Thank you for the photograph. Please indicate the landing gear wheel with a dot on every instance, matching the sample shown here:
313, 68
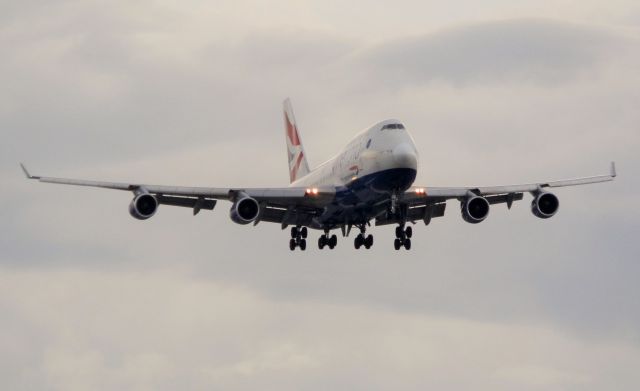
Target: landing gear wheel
303, 244
408, 232
321, 242
303, 232
292, 244
399, 232
358, 241
407, 244
368, 242
294, 232
397, 244
333, 241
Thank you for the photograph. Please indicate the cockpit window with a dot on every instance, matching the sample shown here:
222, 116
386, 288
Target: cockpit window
392, 126
368, 144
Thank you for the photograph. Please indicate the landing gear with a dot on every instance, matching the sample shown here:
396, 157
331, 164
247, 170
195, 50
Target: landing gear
404, 233
358, 242
298, 238
403, 238
297, 232
327, 240
362, 240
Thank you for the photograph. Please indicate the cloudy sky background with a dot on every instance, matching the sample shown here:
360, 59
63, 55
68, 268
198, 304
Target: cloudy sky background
189, 93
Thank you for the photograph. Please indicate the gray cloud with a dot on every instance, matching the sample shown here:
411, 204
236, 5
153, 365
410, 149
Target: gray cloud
173, 331
107, 93
535, 51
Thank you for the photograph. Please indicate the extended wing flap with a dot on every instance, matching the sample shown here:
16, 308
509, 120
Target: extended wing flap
202, 197
188, 202
422, 212
441, 193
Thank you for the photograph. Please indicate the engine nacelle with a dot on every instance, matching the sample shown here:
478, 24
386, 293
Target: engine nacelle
475, 209
544, 205
244, 210
143, 206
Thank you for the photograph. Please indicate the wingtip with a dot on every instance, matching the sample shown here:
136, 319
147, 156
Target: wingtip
26, 172
612, 170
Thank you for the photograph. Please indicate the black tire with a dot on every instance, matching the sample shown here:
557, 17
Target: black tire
333, 241
292, 244
357, 242
321, 242
303, 244
409, 232
303, 232
368, 241
294, 232
397, 244
399, 232
407, 244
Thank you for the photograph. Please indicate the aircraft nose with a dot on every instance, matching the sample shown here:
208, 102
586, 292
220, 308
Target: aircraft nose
404, 156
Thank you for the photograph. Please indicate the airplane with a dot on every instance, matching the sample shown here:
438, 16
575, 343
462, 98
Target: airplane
371, 179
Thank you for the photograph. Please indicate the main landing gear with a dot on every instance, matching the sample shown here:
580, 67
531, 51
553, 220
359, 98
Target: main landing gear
362, 240
298, 238
327, 240
403, 238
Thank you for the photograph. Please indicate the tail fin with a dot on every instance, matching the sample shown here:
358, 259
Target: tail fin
298, 166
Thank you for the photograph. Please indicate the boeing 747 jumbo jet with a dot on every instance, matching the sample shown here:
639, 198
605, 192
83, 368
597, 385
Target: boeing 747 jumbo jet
371, 179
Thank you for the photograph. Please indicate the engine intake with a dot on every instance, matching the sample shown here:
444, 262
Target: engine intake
244, 210
544, 205
143, 206
475, 209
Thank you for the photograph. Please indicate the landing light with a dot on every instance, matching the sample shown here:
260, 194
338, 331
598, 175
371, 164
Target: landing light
312, 191
420, 191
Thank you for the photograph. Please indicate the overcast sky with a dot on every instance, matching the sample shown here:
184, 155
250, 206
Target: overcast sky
190, 92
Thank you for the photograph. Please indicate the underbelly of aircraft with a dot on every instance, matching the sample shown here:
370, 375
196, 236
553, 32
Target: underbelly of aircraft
367, 196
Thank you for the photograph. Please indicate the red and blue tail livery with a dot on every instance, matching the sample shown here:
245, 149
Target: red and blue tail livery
298, 166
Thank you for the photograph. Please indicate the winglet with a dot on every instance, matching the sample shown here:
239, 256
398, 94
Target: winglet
612, 170
26, 172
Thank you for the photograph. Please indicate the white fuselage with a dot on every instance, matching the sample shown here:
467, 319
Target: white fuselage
380, 148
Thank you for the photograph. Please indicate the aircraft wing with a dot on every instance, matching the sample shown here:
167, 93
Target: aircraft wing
277, 204
427, 202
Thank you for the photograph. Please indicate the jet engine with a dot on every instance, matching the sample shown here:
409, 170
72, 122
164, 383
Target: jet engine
475, 209
143, 206
544, 205
244, 210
